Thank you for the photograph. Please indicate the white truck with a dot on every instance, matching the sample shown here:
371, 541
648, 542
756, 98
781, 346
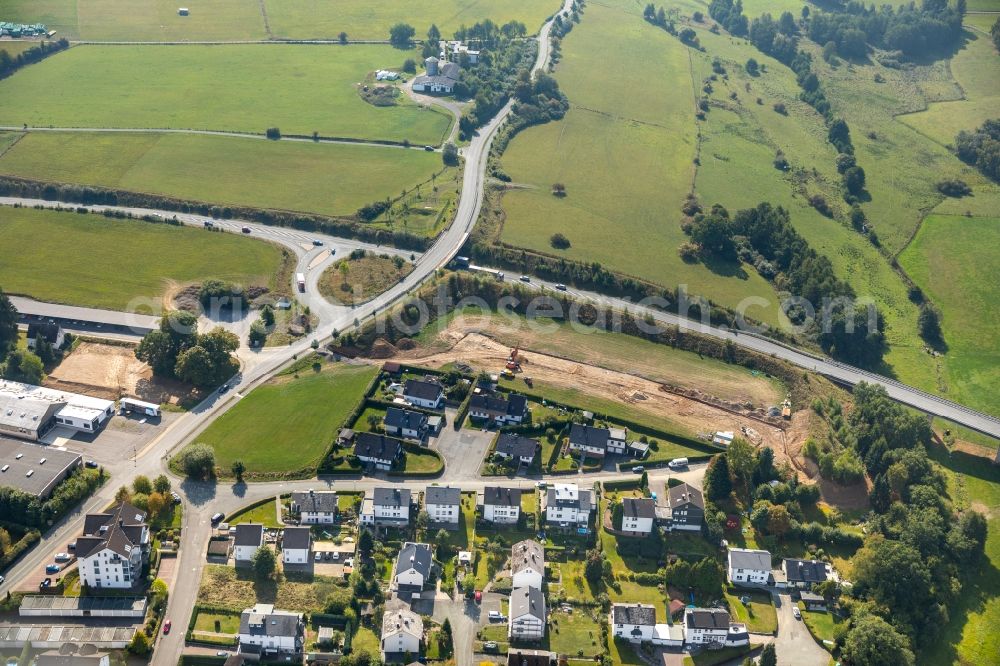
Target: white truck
300, 279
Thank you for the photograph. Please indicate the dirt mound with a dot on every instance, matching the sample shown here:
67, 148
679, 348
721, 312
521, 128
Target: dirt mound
186, 298
382, 349
406, 344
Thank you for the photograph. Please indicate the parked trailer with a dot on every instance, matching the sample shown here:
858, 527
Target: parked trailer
300, 279
138, 406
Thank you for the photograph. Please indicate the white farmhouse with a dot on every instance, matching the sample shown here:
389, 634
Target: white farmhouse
527, 564
501, 505
633, 622
425, 393
249, 537
402, 631
748, 566
386, 506
527, 614
296, 544
113, 548
705, 626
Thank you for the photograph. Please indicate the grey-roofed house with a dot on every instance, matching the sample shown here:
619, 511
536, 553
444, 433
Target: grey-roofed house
517, 447
804, 574
498, 409
270, 632
813, 601
23, 469
527, 614
48, 331
638, 515
405, 423
633, 622
386, 506
296, 544
377, 450
686, 508
26, 417
413, 566
113, 547
527, 564
501, 505
597, 442
73, 655
249, 537
704, 626
426, 393
402, 632
315, 508
749, 566
565, 504
443, 504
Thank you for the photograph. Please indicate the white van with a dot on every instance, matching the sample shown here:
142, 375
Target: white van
677, 463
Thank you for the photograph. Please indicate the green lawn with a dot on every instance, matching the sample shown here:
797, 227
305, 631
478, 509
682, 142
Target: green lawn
421, 462
759, 616
235, 87
365, 639
330, 179
822, 625
266, 514
58, 251
272, 432
229, 623
569, 577
569, 633
623, 653
224, 587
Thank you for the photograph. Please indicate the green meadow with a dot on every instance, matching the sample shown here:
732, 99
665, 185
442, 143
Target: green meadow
300, 89
58, 255
331, 179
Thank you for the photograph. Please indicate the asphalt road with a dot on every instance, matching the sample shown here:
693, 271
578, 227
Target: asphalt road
794, 644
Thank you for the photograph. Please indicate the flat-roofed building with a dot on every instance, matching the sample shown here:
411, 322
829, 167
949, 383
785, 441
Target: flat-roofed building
29, 412
33, 468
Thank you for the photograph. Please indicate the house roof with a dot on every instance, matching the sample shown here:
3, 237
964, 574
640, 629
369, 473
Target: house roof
812, 597
706, 618
568, 495
745, 558
685, 494
527, 554
47, 330
589, 436
249, 534
44, 477
69, 655
529, 657
512, 405
517, 446
414, 556
639, 507
316, 502
498, 496
445, 495
296, 538
634, 614
527, 601
421, 388
119, 530
264, 620
395, 497
379, 447
404, 418
401, 620
804, 571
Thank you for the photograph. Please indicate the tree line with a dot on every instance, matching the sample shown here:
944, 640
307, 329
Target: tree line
33, 512
10, 64
981, 148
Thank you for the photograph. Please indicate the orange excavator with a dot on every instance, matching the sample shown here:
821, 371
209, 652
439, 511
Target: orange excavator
513, 363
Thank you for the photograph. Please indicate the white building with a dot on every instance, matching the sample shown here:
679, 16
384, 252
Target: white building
497, 409
567, 506
50, 332
402, 631
386, 506
29, 412
443, 504
686, 508
527, 614
597, 442
527, 564
421, 392
315, 508
114, 547
296, 544
265, 631
377, 450
638, 514
704, 626
633, 622
749, 566
405, 423
439, 78
249, 537
501, 505
518, 447
413, 566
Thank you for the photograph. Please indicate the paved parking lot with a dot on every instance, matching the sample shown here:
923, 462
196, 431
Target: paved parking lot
120, 438
463, 450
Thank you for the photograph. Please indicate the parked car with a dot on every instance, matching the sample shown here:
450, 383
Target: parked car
63, 557
175, 497
318, 556
479, 596
166, 627
52, 568
2, 579
91, 464
221, 653
223, 388
796, 613
71, 545
349, 562
45, 583
496, 616
335, 555
490, 646
217, 518
638, 469
561, 287
429, 149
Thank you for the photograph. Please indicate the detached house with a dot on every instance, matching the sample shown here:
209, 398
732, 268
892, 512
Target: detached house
428, 394
501, 505
413, 566
296, 544
686, 507
517, 447
704, 626
748, 566
803, 574
266, 632
51, 333
315, 508
497, 409
405, 423
527, 614
527, 564
443, 504
386, 506
638, 515
378, 450
633, 622
249, 537
566, 505
402, 632
597, 442
113, 548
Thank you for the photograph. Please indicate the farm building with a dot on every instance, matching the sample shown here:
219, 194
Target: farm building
440, 78
24, 469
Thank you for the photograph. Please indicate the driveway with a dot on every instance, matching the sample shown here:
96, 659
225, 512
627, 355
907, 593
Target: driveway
464, 618
794, 643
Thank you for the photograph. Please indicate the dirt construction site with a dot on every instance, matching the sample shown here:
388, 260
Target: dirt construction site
109, 371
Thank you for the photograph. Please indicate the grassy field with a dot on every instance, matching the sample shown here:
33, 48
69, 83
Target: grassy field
235, 85
569, 633
14, 47
265, 514
314, 19
331, 179
57, 253
224, 587
953, 258
353, 281
272, 413
822, 625
229, 623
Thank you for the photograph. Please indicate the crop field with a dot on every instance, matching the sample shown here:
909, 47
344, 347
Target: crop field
230, 87
273, 413
331, 179
954, 260
58, 254
362, 19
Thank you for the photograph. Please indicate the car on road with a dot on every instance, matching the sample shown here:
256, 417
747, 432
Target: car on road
525, 278
678, 463
52, 568
429, 149
91, 464
2, 579
561, 287
175, 498
223, 388
638, 469
217, 518
479, 596
166, 627
796, 613
245, 230
62, 557
317, 242
221, 653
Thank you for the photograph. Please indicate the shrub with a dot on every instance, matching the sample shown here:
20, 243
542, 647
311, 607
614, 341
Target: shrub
954, 188
559, 241
780, 108
273, 133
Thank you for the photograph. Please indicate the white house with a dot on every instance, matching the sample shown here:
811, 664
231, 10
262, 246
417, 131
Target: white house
428, 394
749, 566
265, 631
518, 447
386, 506
402, 631
686, 507
413, 566
378, 450
497, 409
315, 508
527, 614
405, 423
296, 544
597, 442
638, 514
704, 626
249, 537
527, 564
566, 505
633, 622
51, 333
501, 505
443, 504
113, 548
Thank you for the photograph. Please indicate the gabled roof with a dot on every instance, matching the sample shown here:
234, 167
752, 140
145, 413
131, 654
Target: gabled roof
641, 614
414, 556
706, 618
445, 495
119, 530
249, 534
639, 507
394, 497
296, 538
517, 446
589, 436
401, 620
423, 389
497, 496
264, 620
513, 405
404, 418
527, 601
379, 447
316, 502
529, 658
744, 558
805, 571
527, 554
685, 494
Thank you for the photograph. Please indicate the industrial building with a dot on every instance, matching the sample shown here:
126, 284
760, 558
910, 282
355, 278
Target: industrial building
29, 412
33, 468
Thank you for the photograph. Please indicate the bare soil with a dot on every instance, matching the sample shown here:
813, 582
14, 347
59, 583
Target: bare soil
111, 371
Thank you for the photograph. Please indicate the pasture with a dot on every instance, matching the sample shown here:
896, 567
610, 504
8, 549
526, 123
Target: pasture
93, 261
15, 47
325, 178
300, 89
270, 431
